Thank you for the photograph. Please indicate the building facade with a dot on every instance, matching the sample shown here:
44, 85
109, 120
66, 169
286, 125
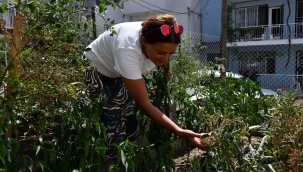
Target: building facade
267, 42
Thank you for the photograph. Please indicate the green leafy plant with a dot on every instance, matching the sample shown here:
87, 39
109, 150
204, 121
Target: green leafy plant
78, 142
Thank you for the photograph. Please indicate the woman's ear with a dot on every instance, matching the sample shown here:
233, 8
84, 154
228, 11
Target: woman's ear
143, 40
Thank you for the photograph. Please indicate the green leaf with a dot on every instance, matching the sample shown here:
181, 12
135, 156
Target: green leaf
87, 49
58, 25
67, 153
30, 166
2, 151
38, 149
40, 139
10, 155
20, 167
102, 6
32, 6
114, 5
86, 147
269, 168
113, 32
38, 28
82, 163
16, 145
3, 7
47, 157
75, 83
123, 157
85, 25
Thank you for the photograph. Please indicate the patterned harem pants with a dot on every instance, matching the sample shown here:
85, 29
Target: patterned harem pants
118, 116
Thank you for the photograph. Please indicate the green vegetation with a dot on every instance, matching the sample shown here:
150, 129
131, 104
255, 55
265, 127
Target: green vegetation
51, 98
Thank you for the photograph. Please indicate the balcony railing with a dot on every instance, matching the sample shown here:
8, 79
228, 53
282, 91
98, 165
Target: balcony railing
285, 82
269, 32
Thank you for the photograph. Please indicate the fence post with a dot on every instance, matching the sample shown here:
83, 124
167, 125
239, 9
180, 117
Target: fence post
14, 62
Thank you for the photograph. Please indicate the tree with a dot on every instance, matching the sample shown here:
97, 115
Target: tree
49, 75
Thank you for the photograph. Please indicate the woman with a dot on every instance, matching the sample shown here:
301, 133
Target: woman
120, 60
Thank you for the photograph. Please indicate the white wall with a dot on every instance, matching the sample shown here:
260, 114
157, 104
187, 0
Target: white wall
191, 20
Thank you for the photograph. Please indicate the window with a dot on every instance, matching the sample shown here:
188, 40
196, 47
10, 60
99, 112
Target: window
257, 62
8, 16
299, 19
299, 11
252, 16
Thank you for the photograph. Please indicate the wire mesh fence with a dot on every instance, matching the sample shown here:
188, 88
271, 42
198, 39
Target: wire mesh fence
48, 60
275, 64
3, 53
3, 61
83, 38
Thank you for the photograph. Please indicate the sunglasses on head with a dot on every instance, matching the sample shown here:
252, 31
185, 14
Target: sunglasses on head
166, 29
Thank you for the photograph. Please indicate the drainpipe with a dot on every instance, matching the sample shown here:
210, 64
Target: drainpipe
223, 38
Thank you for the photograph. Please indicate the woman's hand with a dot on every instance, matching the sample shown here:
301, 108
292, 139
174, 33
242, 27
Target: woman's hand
139, 94
194, 138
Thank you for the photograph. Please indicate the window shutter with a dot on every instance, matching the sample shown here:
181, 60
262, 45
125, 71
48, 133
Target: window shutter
299, 13
240, 17
263, 15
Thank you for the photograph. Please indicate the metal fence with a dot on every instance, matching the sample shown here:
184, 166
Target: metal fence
3, 53
83, 38
271, 63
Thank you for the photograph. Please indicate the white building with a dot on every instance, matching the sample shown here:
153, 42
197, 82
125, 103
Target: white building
7, 18
187, 13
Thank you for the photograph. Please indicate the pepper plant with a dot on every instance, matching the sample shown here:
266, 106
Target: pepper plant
47, 78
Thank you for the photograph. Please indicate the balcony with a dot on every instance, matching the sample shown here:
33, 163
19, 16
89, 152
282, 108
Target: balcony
268, 35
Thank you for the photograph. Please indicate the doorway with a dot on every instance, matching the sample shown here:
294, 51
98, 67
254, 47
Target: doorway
275, 18
299, 66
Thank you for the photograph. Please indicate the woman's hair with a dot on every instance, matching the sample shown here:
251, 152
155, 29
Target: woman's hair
152, 33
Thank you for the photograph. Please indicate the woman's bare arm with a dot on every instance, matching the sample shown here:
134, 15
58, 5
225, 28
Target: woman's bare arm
139, 94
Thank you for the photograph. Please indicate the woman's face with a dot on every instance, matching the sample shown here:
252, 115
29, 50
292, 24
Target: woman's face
159, 53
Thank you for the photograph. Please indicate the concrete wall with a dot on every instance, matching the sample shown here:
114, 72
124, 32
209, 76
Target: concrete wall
211, 17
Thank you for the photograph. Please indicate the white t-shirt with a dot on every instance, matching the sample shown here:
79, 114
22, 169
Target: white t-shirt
120, 54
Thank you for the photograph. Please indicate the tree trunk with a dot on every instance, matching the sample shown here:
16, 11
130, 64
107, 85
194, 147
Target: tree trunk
14, 62
223, 38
